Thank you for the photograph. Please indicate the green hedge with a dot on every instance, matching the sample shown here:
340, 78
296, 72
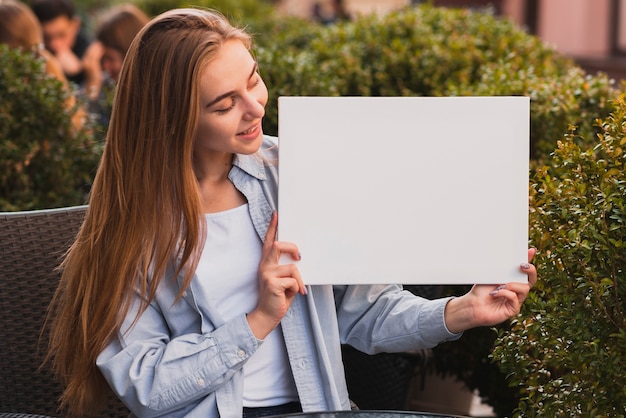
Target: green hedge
430, 51
566, 352
239, 12
44, 161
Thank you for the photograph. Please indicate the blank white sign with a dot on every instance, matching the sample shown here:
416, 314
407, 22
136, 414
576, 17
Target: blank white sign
415, 190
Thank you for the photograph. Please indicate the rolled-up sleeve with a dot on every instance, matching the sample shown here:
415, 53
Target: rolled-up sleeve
154, 374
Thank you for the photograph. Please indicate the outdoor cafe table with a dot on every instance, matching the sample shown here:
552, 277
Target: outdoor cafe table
367, 414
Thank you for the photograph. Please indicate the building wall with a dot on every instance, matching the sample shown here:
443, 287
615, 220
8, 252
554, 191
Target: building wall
304, 8
357, 7
515, 10
576, 27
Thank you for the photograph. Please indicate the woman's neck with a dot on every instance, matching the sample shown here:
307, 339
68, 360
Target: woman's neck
213, 167
217, 191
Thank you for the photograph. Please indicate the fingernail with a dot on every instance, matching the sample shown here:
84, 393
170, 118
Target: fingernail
497, 289
525, 266
305, 292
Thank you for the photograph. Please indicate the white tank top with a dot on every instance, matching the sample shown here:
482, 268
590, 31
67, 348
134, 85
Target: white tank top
228, 276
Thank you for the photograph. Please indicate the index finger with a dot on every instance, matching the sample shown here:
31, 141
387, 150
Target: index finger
270, 235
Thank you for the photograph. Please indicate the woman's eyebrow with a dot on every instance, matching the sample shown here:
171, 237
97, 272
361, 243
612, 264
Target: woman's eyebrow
230, 93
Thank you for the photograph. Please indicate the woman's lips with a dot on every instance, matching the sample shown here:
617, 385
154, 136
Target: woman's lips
251, 132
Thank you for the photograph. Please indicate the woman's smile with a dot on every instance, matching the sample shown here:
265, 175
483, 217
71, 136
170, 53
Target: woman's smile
251, 133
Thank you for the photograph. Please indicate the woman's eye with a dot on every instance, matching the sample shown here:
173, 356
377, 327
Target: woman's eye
226, 109
255, 80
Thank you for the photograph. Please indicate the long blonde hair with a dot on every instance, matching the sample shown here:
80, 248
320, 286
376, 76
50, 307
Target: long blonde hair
144, 208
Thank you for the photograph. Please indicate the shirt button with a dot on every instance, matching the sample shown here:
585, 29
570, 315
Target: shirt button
200, 382
185, 294
241, 353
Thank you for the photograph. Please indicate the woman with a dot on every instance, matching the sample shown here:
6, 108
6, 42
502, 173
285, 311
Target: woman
173, 294
19, 28
114, 34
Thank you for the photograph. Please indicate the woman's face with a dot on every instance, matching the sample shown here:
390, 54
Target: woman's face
112, 60
232, 104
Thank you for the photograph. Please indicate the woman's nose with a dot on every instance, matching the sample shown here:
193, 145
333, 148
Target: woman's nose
256, 105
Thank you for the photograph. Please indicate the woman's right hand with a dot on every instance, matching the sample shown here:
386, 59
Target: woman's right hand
278, 283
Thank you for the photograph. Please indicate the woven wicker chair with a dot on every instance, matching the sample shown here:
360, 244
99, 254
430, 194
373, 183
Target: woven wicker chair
31, 246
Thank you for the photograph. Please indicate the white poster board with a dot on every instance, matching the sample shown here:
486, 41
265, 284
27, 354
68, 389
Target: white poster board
413, 190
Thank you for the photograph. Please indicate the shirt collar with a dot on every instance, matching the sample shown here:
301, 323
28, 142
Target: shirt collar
252, 164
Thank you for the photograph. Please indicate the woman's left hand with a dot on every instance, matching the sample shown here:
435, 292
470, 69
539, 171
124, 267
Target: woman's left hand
487, 305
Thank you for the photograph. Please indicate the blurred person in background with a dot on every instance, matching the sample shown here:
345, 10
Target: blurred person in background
63, 36
114, 33
331, 12
19, 28
115, 30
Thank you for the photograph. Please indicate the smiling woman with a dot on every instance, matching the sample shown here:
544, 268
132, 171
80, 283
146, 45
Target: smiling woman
173, 295
233, 98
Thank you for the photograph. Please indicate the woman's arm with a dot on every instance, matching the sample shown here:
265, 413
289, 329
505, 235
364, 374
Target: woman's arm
383, 318
155, 374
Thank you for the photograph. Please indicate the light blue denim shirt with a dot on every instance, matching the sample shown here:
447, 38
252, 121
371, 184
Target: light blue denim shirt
181, 359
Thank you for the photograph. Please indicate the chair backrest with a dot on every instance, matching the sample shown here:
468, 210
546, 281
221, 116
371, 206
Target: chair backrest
31, 247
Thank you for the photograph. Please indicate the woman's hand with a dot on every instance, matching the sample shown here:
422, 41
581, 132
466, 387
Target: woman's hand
278, 284
487, 305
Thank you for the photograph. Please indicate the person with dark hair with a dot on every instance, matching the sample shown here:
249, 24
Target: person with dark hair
331, 12
63, 36
173, 295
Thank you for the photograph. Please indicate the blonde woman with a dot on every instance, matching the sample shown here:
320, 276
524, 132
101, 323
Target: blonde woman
172, 294
19, 28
